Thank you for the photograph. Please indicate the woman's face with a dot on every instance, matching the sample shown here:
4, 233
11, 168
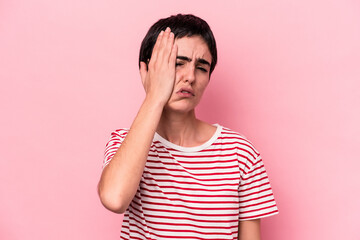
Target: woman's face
192, 73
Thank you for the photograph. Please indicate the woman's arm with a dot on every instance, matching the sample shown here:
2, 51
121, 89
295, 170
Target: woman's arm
121, 177
249, 230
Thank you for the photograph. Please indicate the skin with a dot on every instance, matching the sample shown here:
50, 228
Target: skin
249, 230
175, 65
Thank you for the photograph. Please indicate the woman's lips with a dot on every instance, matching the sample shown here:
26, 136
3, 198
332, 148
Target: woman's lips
186, 92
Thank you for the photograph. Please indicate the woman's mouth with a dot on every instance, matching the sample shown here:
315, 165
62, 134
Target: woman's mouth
186, 92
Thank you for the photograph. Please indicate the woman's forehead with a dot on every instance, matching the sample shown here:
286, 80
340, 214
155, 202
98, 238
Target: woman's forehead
193, 47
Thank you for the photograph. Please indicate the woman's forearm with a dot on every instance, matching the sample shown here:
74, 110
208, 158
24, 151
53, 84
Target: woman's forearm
121, 177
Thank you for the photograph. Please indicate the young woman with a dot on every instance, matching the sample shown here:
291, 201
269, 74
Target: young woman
173, 175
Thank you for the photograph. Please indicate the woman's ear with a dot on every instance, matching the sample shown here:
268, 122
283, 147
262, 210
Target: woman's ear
143, 72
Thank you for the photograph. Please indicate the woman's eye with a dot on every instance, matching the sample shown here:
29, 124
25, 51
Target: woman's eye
202, 69
179, 64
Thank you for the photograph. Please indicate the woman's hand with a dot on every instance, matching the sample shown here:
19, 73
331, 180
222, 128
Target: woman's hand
158, 80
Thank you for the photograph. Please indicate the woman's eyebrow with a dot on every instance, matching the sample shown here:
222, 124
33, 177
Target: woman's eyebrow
203, 61
184, 58
199, 60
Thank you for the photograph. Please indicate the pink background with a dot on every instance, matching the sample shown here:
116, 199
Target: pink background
288, 77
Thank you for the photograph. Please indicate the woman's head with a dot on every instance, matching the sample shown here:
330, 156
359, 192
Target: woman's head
182, 26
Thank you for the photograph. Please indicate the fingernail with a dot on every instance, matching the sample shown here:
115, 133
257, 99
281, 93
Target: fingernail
161, 33
167, 29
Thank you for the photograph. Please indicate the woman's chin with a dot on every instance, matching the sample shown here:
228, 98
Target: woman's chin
179, 107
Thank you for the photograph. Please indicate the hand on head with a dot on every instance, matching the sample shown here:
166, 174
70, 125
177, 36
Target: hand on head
158, 79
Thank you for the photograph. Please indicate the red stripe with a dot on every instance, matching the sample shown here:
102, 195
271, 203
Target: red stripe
257, 204
205, 161
253, 153
192, 237
190, 213
181, 176
188, 195
257, 186
242, 185
192, 183
255, 169
201, 220
180, 171
133, 227
245, 179
193, 189
214, 150
187, 231
258, 192
192, 225
204, 156
257, 198
192, 207
239, 137
188, 201
194, 168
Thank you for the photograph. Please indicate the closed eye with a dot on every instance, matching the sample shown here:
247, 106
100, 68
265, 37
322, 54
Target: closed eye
202, 69
199, 67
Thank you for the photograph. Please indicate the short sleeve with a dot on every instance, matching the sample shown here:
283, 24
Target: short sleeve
255, 194
116, 139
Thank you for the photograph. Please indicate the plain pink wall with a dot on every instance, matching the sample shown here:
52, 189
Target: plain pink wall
288, 77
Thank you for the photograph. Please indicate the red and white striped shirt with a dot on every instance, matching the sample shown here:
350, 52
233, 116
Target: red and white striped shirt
196, 192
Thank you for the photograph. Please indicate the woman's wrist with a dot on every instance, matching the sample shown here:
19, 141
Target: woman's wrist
154, 102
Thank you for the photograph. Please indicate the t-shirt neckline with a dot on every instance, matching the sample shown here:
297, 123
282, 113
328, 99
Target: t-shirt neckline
208, 143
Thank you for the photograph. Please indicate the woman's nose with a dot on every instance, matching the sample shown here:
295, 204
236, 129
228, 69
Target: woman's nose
189, 76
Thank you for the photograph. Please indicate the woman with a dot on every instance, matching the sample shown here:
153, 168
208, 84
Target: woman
173, 175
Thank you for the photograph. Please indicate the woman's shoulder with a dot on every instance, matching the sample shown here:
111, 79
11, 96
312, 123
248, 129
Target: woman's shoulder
232, 136
228, 132
120, 132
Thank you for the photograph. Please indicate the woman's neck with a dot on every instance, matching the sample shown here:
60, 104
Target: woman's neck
184, 129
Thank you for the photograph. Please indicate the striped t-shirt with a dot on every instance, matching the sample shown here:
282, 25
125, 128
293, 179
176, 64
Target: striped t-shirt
197, 192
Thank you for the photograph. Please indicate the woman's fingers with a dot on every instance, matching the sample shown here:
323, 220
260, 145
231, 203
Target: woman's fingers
169, 46
156, 47
162, 48
172, 58
165, 48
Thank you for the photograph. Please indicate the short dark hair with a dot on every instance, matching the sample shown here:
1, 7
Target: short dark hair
182, 25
